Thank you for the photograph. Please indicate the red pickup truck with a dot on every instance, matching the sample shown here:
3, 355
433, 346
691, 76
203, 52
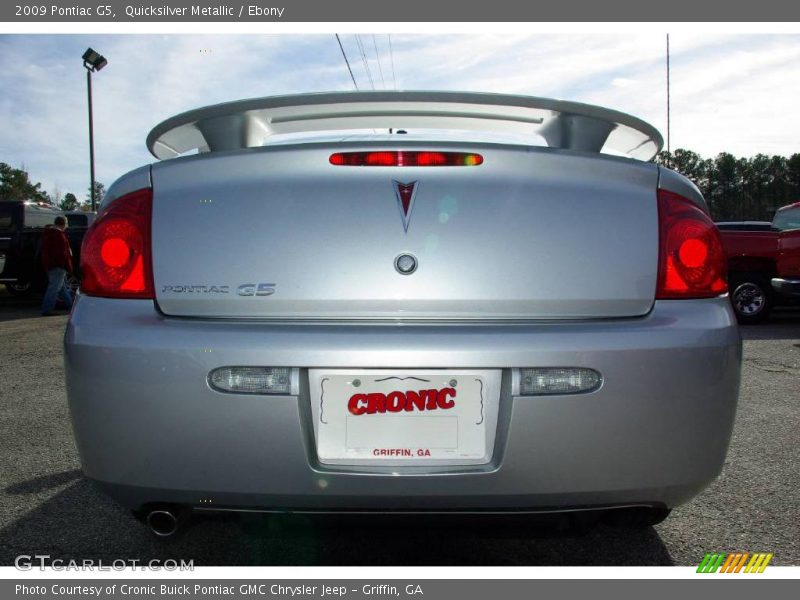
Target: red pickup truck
763, 263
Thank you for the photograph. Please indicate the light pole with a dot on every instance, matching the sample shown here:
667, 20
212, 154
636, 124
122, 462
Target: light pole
668, 140
92, 61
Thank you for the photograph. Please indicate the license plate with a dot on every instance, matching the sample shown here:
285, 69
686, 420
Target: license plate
430, 417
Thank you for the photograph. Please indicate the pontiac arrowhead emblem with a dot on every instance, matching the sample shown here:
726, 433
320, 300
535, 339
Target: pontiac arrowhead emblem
405, 192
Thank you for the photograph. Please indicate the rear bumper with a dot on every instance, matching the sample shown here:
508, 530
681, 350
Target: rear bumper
150, 429
787, 287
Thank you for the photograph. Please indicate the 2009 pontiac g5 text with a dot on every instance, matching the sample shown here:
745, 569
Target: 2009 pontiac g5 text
403, 302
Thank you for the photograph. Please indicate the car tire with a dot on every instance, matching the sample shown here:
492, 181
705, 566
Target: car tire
751, 298
19, 288
637, 518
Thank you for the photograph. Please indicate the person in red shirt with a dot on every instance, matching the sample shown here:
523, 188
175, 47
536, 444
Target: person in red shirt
57, 262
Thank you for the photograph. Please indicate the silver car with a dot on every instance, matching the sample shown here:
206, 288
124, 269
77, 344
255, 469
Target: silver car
403, 302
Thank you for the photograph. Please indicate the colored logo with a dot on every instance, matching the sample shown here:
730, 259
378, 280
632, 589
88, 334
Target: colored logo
370, 404
405, 193
736, 562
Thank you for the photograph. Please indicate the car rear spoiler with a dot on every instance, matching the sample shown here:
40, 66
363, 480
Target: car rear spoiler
249, 123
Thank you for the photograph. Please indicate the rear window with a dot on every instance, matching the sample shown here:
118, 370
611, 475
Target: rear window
787, 219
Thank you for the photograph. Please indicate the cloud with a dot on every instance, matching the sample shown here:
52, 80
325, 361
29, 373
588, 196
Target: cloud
729, 93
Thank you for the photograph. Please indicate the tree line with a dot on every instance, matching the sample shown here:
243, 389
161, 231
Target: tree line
15, 184
736, 189
740, 189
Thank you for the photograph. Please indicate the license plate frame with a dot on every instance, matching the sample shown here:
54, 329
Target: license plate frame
454, 429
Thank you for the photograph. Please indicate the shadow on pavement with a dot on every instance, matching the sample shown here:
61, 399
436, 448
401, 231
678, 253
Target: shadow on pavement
783, 324
13, 308
46, 482
18, 307
80, 522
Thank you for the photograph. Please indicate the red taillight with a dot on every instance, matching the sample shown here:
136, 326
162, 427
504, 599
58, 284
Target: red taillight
691, 261
402, 158
116, 260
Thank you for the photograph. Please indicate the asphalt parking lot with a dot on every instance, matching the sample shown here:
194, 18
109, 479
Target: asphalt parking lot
47, 507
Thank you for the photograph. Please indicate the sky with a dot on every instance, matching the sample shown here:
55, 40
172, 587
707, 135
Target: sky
733, 93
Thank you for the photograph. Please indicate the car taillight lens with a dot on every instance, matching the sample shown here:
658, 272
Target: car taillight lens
691, 261
404, 158
116, 260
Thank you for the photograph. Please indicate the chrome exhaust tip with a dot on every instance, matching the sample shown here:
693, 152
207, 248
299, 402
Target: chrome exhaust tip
163, 522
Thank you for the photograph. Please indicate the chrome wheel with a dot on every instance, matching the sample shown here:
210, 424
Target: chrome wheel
749, 299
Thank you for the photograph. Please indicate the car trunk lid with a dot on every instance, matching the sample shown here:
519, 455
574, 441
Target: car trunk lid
281, 233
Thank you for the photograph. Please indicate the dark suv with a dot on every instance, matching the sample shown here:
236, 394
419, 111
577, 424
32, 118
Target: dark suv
21, 226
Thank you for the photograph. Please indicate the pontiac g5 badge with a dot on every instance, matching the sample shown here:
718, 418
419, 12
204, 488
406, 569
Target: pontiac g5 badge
405, 192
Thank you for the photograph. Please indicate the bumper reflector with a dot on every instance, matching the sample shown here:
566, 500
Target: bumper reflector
253, 380
547, 381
